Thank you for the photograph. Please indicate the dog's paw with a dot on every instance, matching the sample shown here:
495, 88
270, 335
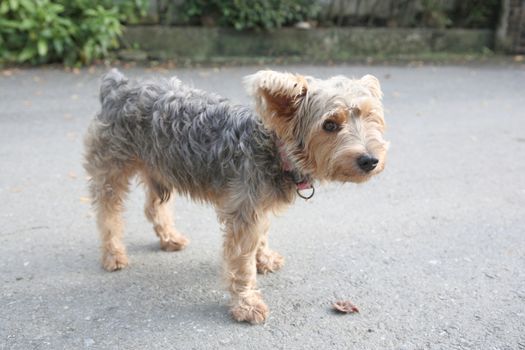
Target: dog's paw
269, 261
174, 243
114, 261
254, 312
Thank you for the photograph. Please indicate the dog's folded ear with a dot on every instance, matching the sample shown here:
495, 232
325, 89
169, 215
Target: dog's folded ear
277, 95
372, 83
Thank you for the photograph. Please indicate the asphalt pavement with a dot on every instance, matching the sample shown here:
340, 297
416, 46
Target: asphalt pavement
432, 251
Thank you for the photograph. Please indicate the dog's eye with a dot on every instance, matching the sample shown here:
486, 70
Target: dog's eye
330, 126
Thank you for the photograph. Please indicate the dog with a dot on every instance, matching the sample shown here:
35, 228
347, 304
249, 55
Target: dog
248, 163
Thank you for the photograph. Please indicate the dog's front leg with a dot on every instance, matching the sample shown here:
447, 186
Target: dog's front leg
242, 237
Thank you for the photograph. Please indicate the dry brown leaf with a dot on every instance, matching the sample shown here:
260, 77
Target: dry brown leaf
345, 306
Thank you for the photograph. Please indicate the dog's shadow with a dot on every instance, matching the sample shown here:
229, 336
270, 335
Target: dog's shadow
158, 288
184, 288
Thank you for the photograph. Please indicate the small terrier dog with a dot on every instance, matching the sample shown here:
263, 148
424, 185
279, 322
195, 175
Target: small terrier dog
246, 163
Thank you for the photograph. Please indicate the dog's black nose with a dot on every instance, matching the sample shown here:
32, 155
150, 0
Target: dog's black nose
367, 163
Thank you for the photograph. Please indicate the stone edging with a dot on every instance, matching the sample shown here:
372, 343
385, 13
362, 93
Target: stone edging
199, 44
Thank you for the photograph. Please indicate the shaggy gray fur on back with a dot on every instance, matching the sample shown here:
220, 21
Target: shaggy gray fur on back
197, 140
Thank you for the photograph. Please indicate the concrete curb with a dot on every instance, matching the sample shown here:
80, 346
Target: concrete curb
199, 44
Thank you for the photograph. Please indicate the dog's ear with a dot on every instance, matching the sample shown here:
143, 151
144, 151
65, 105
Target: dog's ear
372, 83
277, 95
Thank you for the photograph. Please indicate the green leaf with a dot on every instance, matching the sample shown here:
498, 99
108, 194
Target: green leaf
58, 45
42, 47
13, 4
4, 7
7, 24
28, 5
27, 54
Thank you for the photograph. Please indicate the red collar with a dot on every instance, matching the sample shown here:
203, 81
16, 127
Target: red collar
301, 182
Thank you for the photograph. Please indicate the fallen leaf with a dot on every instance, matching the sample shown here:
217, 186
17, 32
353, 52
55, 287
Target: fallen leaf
345, 306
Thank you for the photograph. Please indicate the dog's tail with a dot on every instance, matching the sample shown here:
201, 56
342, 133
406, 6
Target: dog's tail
111, 83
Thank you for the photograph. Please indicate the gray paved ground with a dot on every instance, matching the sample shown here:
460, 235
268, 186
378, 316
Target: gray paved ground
432, 251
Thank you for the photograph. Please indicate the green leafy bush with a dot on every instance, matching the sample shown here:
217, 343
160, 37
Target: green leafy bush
97, 31
69, 31
250, 14
33, 31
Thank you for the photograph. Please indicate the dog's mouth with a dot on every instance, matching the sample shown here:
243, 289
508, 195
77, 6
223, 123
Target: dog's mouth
358, 178
353, 177
356, 175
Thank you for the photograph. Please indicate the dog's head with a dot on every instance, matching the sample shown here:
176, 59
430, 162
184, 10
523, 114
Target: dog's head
332, 129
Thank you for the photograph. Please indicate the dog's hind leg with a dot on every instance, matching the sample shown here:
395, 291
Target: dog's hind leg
158, 212
267, 259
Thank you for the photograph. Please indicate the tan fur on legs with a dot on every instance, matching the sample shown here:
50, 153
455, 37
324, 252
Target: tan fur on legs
108, 189
240, 246
159, 214
266, 259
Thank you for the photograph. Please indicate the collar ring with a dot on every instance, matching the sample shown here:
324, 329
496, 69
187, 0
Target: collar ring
301, 194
